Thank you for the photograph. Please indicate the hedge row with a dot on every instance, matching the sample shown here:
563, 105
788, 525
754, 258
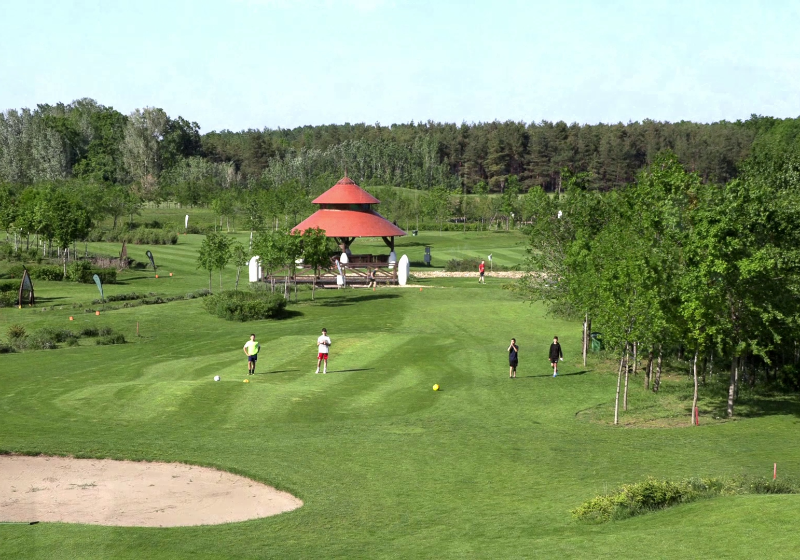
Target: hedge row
654, 494
245, 306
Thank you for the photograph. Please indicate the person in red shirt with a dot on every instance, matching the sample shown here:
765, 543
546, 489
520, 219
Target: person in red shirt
482, 270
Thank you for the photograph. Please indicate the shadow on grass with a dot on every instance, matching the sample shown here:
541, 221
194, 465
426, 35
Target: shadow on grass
46, 299
129, 278
757, 406
289, 314
349, 370
356, 299
559, 375
412, 244
279, 371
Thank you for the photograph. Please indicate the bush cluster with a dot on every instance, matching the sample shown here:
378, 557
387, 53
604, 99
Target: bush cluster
83, 272
138, 236
116, 338
245, 306
8, 253
8, 294
653, 494
51, 273
463, 265
48, 338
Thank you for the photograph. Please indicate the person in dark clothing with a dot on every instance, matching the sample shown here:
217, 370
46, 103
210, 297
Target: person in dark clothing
513, 358
555, 355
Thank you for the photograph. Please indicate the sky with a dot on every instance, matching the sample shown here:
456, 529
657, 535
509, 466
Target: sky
240, 64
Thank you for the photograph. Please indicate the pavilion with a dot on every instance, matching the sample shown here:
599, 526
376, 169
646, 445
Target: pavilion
345, 213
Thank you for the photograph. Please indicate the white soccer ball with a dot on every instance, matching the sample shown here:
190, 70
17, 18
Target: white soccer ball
216, 378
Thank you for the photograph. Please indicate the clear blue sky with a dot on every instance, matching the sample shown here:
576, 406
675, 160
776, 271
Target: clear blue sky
280, 63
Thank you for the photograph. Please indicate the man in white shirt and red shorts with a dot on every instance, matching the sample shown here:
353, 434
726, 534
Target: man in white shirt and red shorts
323, 344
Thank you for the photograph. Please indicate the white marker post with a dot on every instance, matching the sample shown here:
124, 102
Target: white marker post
186, 225
490, 262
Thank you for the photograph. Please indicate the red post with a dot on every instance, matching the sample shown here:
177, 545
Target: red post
775, 471
696, 416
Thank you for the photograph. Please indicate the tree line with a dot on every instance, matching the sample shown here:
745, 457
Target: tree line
161, 157
672, 265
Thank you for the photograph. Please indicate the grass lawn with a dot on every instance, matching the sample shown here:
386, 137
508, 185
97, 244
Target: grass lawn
387, 468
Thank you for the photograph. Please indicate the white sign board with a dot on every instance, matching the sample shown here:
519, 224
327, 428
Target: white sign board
402, 270
254, 268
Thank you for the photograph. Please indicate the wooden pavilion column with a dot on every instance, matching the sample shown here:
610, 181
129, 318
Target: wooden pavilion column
389, 242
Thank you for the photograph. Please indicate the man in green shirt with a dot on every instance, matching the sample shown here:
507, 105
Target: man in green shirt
251, 348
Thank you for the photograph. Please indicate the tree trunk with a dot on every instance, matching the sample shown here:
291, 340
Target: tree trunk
238, 271
627, 369
657, 382
209, 281
694, 398
648, 372
635, 356
619, 378
732, 386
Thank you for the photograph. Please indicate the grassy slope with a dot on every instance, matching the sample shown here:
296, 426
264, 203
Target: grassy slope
387, 468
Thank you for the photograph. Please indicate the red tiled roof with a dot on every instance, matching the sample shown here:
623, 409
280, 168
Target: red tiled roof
350, 223
345, 192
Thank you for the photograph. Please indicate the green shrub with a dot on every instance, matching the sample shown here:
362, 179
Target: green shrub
83, 272
464, 265
198, 294
6, 349
52, 273
6, 287
16, 332
78, 271
14, 271
654, 494
90, 331
116, 338
138, 236
106, 331
8, 299
37, 341
107, 275
57, 335
245, 306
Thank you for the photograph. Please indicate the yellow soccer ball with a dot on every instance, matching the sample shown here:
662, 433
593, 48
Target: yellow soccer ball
436, 387
247, 381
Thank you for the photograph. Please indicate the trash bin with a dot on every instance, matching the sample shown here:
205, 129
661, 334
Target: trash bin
597, 341
414, 233
427, 258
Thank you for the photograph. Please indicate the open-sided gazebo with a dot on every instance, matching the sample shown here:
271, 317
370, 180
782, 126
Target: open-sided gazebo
346, 213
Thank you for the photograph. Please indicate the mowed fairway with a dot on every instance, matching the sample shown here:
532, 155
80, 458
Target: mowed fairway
386, 467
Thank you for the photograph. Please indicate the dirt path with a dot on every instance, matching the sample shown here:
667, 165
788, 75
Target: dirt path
130, 494
443, 274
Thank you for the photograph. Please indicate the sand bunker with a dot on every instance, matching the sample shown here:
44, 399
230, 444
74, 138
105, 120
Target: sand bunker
130, 494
